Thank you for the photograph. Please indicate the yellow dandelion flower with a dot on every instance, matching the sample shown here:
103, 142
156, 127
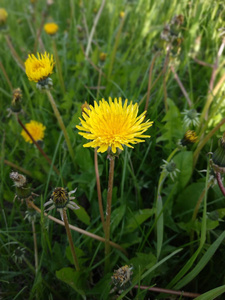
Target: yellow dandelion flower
122, 14
112, 124
3, 15
190, 137
51, 28
36, 129
40, 67
102, 56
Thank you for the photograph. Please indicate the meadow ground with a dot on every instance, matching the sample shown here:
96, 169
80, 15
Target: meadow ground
107, 221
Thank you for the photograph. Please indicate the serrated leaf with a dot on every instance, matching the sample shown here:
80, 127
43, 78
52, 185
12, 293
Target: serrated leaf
184, 162
79, 253
172, 130
73, 278
187, 200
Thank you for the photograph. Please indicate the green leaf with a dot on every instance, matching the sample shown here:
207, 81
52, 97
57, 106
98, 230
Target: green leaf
73, 278
149, 270
187, 200
82, 215
83, 158
184, 162
142, 261
202, 263
138, 218
116, 216
159, 207
211, 295
172, 130
79, 253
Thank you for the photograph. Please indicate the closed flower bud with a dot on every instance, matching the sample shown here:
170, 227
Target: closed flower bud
218, 157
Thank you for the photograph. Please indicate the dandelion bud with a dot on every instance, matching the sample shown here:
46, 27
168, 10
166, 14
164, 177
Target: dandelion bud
84, 107
16, 101
60, 197
18, 254
190, 137
170, 168
218, 157
102, 56
61, 200
3, 16
122, 14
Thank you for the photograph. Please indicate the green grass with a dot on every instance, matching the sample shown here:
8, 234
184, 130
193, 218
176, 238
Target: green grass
152, 215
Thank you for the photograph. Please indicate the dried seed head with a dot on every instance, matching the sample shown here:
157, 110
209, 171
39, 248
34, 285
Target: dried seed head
19, 179
122, 276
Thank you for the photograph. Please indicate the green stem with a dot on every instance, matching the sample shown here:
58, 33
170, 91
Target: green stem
112, 58
35, 247
58, 66
99, 190
75, 260
14, 53
77, 229
159, 206
61, 124
108, 212
205, 140
164, 174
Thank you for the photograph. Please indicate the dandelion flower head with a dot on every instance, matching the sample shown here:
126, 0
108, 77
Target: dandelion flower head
112, 125
51, 28
36, 129
39, 68
3, 15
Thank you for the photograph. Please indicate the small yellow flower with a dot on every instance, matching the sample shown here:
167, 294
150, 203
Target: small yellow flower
190, 137
36, 129
122, 14
3, 16
102, 56
51, 28
112, 125
38, 69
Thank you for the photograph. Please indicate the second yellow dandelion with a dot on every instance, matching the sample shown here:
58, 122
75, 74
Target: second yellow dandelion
36, 130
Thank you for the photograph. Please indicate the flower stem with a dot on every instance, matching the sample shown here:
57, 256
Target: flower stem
220, 183
14, 166
205, 140
99, 190
77, 229
113, 55
36, 144
6, 76
35, 247
61, 124
150, 80
58, 66
94, 27
108, 212
166, 291
75, 260
14, 53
